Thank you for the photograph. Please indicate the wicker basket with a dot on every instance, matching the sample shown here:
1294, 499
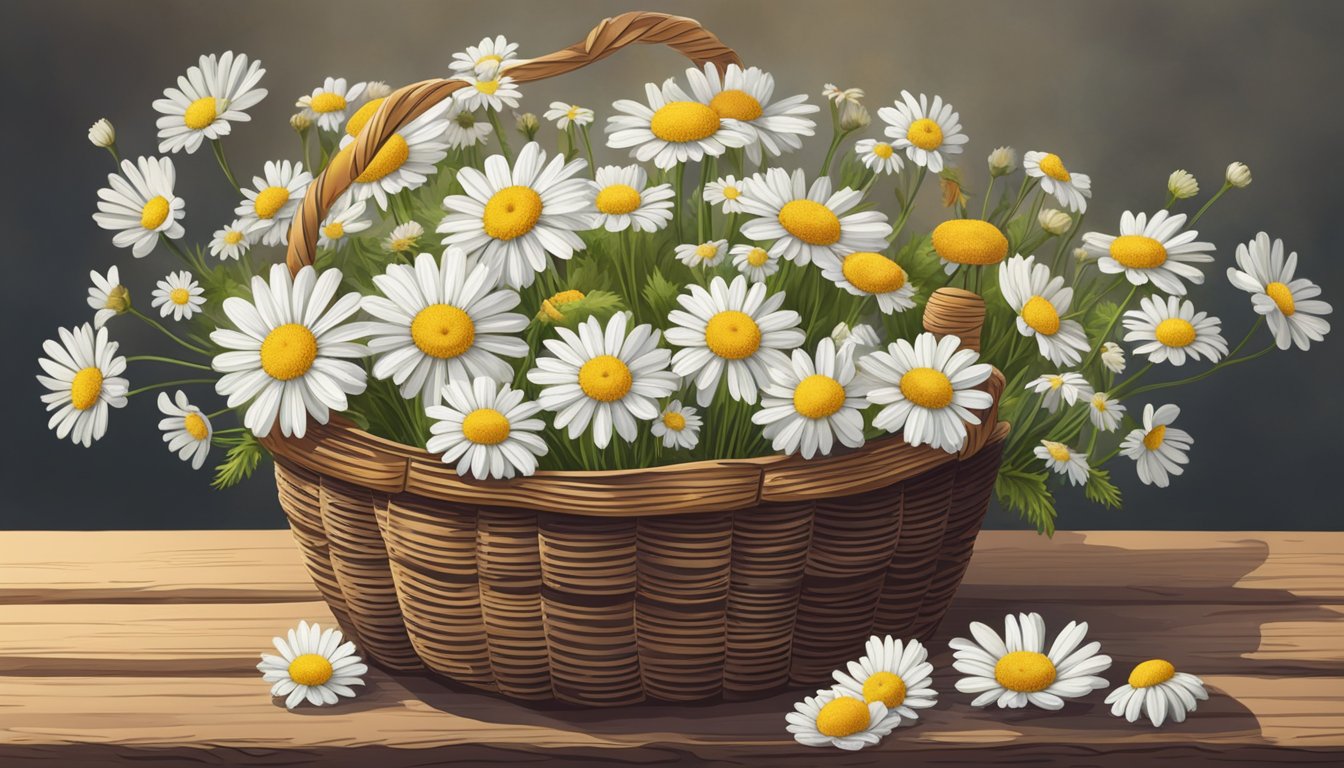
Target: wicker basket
690, 582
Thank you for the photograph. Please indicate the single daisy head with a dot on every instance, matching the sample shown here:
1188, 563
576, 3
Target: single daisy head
102, 134
678, 426
268, 207
861, 336
1169, 330
625, 201
754, 262
178, 295
1015, 670
107, 296
1182, 185
185, 429
1151, 250
1063, 460
1158, 449
347, 217
1104, 411
463, 129
207, 100
1002, 161
1113, 357
840, 96
1157, 689
673, 128
1041, 302
487, 429
836, 719
880, 157
745, 95
139, 205
83, 376
927, 389
707, 254
810, 404
1071, 189
969, 242
893, 672
565, 115
486, 57
230, 241
1056, 387
405, 160
926, 132
868, 273
404, 238
810, 223
725, 192
313, 665
331, 103
1290, 304
489, 90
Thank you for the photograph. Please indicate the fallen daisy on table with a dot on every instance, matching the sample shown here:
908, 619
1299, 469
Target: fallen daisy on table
893, 672
840, 720
1014, 670
313, 665
1156, 688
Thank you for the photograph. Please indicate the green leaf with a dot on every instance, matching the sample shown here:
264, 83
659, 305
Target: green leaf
1016, 232
1098, 317
1025, 493
1101, 490
588, 273
599, 304
661, 293
239, 463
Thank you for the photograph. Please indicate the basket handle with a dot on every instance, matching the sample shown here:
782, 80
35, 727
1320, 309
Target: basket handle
407, 103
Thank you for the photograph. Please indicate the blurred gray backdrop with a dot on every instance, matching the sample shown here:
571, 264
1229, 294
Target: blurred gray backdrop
1127, 91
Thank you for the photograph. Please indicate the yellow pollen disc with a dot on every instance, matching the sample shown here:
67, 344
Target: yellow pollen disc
1053, 167
334, 231
310, 669
969, 241
757, 257
288, 352
442, 331
511, 212
1099, 402
488, 87
735, 104
1138, 252
810, 221
1041, 316
361, 116
683, 121
1056, 382
617, 199
1152, 672
927, 388
179, 296
269, 201
1025, 671
233, 237
1283, 298
200, 114
883, 150
706, 250
842, 716
391, 156
873, 272
572, 113
732, 193
1058, 451
86, 388
1175, 332
1153, 440
885, 687
490, 57
674, 421
925, 134
818, 396
404, 244
732, 335
327, 102
154, 213
195, 426
485, 426
605, 378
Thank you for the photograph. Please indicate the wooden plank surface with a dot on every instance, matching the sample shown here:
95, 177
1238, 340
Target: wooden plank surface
141, 646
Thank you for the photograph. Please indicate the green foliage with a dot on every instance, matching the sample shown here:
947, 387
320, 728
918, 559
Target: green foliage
1101, 490
239, 463
1025, 493
661, 293
599, 304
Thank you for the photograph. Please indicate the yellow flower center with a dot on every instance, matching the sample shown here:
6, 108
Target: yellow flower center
1058, 451
269, 201
391, 156
401, 244
361, 117
288, 352
179, 296
1099, 401
1053, 167
233, 237
154, 213
443, 331
706, 251
572, 112
310, 669
810, 221
1041, 316
605, 378
674, 421
327, 102
927, 388
195, 426
200, 113
1152, 672
873, 272
885, 687
1056, 382
119, 298
1138, 252
334, 231
883, 150
735, 104
490, 58
551, 307
842, 716
732, 193
86, 388
757, 257
617, 199
925, 134
485, 426
1175, 332
818, 396
1283, 298
1025, 671
969, 241
511, 212
1153, 440
683, 121
732, 335
487, 87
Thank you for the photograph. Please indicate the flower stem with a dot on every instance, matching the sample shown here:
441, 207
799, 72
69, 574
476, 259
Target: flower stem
830, 154
1200, 376
181, 254
678, 185
167, 332
157, 359
218, 147
499, 134
909, 205
588, 147
1106, 334
984, 204
167, 384
116, 156
1226, 186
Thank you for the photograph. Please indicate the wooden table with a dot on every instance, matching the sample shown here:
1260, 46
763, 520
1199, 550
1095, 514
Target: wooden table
141, 646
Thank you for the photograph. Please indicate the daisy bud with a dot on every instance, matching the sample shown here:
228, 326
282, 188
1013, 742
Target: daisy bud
528, 125
118, 299
1113, 357
1054, 221
377, 90
404, 238
854, 116
1081, 255
1002, 161
102, 134
1182, 185
1238, 175
300, 122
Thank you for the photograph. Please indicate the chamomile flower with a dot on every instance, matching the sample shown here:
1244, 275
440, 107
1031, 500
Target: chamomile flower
1291, 305
707, 254
604, 378
725, 192
441, 323
404, 238
1041, 301
185, 429
1113, 357
968, 242
866, 273
745, 95
1015, 670
1071, 189
516, 218
406, 159
624, 200
1063, 460
810, 224
808, 405
1057, 387
487, 428
313, 665
463, 129
347, 216
286, 356
842, 96
754, 262
836, 719
1104, 412
1157, 448
178, 295
107, 296
207, 100
230, 241
734, 330
269, 206
893, 672
860, 336
330, 104
673, 128
565, 115
485, 58
492, 91
927, 390
1155, 688
1150, 250
926, 132
678, 426
84, 378
878, 156
140, 206
1170, 330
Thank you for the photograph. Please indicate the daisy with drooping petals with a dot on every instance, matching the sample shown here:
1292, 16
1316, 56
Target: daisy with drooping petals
808, 405
842, 96
565, 115
1071, 189
604, 377
968, 242
673, 128
185, 429
893, 672
516, 218
487, 429
330, 104
1291, 305
1172, 329
623, 202
347, 217
404, 238
1155, 688
836, 719
925, 131
1057, 387
810, 224
860, 336
1014, 670
107, 296
1040, 302
441, 323
207, 100
84, 376
1063, 460
1158, 449
1104, 412
486, 57
1113, 357
405, 160
754, 262
678, 426
231, 241
462, 129
140, 205
178, 295
744, 95
491, 91
734, 331
313, 665
1150, 250
286, 356
928, 389
725, 192
269, 207
707, 254
878, 156
865, 273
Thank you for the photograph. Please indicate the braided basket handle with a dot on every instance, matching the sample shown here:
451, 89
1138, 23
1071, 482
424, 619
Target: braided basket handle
405, 104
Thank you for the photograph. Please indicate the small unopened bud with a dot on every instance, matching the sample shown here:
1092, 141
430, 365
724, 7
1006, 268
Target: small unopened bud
377, 90
1238, 175
102, 134
1081, 255
1002, 161
528, 125
118, 299
854, 116
1054, 221
1182, 185
300, 122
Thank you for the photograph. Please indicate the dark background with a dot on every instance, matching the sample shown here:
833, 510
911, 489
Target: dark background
1125, 91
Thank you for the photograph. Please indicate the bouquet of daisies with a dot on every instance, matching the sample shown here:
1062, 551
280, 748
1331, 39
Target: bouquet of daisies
493, 289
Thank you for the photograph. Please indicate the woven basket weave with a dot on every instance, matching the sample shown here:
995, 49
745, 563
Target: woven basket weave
689, 582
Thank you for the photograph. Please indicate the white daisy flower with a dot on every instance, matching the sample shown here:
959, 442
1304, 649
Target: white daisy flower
313, 665
1002, 161
860, 336
139, 205
1014, 670
330, 104
102, 134
1113, 357
1155, 688
866, 273
565, 115
842, 95
463, 129
839, 720
377, 89
809, 404
442, 323
84, 378
1063, 460
1158, 448
230, 241
491, 91
925, 131
107, 296
269, 206
673, 128
754, 262
1150, 250
404, 238
186, 430
347, 216
893, 672
178, 295
624, 200
678, 426
810, 224
1172, 329
731, 330
1291, 305
744, 95
1238, 175
707, 254
1182, 184
485, 58
927, 389
285, 357
1068, 387
1041, 301
725, 192
878, 156
207, 100
487, 429
1071, 189
406, 159
604, 377
1104, 412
